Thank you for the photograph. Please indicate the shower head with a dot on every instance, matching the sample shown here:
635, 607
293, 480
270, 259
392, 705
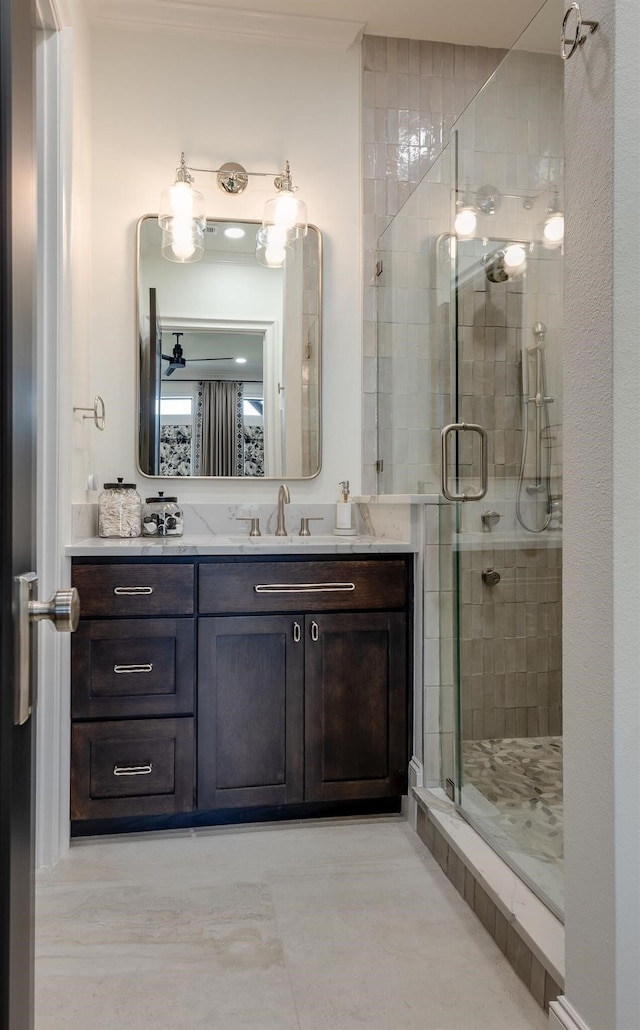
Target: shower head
504, 263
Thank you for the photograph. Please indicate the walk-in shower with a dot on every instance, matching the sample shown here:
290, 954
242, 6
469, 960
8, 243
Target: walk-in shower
470, 342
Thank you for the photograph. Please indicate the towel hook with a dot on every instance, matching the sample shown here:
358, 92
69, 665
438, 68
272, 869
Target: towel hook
570, 45
97, 412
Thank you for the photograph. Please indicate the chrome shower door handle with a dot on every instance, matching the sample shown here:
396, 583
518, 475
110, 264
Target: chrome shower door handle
463, 427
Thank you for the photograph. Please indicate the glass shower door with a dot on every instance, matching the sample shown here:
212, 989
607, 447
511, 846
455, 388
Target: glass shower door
502, 454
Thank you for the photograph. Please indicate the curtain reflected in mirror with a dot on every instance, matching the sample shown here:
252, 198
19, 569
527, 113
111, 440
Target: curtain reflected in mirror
229, 368
219, 429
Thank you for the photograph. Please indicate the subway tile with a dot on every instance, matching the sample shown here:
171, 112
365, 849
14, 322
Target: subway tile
551, 990
469, 887
500, 931
523, 962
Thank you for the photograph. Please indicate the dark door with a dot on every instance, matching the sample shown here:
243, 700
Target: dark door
355, 706
17, 506
250, 711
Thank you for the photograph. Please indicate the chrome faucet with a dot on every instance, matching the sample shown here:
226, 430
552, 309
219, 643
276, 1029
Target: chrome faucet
283, 498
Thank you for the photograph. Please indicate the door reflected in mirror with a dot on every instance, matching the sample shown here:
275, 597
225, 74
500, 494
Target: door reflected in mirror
229, 357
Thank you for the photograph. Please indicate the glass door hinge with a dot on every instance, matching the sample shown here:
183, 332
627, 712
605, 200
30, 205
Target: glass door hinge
379, 465
379, 269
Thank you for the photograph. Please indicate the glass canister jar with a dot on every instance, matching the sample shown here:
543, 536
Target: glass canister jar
162, 516
119, 510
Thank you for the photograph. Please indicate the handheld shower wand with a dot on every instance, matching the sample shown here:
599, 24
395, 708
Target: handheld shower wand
542, 481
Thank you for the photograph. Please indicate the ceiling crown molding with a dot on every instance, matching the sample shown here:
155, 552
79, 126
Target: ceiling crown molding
223, 23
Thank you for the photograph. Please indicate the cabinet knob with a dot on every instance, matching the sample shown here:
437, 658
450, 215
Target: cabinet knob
315, 631
297, 632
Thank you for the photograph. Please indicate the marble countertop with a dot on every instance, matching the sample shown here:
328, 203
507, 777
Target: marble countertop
205, 544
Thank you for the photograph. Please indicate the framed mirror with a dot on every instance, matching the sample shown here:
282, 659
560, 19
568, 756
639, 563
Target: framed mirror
229, 357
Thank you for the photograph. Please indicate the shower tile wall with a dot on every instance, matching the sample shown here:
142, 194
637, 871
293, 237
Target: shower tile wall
412, 93
512, 138
511, 636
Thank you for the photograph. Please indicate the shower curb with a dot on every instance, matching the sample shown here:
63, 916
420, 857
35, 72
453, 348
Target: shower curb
529, 936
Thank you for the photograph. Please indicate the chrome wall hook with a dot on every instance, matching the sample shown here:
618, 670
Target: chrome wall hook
569, 44
97, 412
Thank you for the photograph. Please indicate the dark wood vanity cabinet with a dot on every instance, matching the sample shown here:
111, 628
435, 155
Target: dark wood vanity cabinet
250, 684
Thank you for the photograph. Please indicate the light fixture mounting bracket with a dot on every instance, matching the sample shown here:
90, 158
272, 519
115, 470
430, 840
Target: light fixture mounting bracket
232, 178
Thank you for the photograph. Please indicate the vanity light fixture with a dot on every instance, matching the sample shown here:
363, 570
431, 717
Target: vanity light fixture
182, 217
240, 361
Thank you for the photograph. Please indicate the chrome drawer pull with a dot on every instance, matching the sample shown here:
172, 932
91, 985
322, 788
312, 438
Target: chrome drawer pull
133, 770
133, 668
297, 632
303, 588
315, 631
133, 590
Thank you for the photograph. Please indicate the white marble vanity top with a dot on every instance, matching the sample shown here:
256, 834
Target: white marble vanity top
148, 547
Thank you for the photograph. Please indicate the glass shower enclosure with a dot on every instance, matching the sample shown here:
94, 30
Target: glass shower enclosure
470, 407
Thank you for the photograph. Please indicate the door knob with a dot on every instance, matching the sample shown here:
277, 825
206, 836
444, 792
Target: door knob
63, 610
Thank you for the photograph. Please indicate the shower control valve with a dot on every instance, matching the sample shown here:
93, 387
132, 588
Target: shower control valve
490, 577
490, 519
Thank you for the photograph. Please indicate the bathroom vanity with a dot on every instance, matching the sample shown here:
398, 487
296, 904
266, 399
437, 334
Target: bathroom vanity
214, 688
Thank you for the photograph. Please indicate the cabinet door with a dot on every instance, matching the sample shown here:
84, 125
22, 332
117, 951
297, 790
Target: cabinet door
250, 711
355, 706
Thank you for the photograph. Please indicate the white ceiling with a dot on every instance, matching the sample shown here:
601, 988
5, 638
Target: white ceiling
489, 23
493, 23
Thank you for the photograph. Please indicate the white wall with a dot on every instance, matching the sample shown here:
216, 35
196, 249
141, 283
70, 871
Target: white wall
63, 369
602, 500
154, 95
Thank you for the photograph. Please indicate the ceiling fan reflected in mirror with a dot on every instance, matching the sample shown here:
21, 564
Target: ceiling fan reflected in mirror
177, 359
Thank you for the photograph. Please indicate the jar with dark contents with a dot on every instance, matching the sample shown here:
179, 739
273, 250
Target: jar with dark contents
162, 516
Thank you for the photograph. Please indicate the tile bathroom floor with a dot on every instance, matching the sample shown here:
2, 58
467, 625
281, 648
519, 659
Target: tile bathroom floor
288, 926
513, 790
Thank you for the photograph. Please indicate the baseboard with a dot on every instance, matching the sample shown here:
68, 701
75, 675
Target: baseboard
563, 1016
409, 804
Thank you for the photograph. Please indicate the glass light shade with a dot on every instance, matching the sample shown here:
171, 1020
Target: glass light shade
553, 231
515, 258
181, 201
182, 219
465, 222
273, 246
286, 211
182, 243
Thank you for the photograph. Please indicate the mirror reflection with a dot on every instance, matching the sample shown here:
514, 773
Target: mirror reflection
229, 369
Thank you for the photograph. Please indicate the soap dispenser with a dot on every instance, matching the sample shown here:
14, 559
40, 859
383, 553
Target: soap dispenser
345, 521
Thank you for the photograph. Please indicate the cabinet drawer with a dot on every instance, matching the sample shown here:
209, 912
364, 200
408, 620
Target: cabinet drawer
312, 586
142, 767
129, 667
126, 590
